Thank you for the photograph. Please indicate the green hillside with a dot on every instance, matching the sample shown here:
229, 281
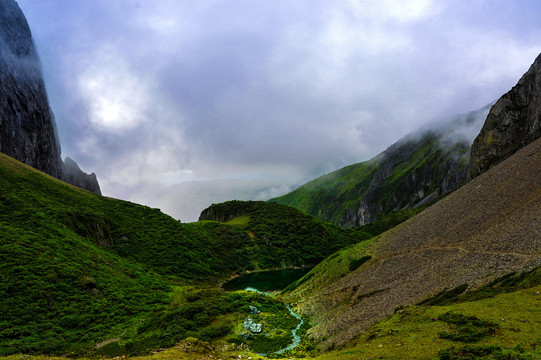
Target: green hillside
82, 272
282, 235
410, 173
490, 328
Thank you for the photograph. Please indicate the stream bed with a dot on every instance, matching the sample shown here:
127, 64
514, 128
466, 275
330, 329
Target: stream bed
266, 281
296, 338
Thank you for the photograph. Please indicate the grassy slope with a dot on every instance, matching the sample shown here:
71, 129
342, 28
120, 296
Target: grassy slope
332, 196
77, 269
32, 201
413, 332
282, 235
333, 192
59, 290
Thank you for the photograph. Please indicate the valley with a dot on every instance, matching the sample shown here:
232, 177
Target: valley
103, 284
430, 250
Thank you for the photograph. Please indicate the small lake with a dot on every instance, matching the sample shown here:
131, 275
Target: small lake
265, 280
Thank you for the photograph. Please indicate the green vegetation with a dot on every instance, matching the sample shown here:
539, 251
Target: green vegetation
508, 324
282, 235
394, 179
472, 352
209, 314
82, 273
467, 329
445, 297
504, 284
355, 263
508, 283
296, 283
334, 267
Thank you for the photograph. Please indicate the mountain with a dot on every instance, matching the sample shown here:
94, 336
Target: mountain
484, 230
72, 174
472, 241
77, 269
412, 172
513, 122
28, 130
27, 124
82, 274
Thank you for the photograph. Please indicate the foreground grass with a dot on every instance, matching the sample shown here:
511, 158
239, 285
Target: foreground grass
411, 333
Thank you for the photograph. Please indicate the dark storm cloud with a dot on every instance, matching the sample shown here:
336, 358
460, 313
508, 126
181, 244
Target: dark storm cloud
154, 93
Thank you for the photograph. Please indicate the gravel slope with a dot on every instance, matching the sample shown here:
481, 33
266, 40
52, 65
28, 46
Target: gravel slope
487, 228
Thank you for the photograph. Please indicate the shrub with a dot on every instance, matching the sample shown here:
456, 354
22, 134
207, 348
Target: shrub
467, 329
355, 263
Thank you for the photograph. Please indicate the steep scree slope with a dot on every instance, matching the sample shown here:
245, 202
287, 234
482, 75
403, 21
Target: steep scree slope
487, 228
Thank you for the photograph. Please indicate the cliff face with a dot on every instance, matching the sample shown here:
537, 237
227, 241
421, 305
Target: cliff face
75, 176
512, 123
412, 172
27, 126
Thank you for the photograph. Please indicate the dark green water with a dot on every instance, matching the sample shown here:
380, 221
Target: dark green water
265, 280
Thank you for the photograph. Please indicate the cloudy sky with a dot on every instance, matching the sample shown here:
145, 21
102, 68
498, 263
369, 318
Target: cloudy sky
173, 103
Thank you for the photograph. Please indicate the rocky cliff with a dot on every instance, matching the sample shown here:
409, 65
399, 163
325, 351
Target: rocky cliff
27, 123
512, 123
72, 174
414, 171
28, 129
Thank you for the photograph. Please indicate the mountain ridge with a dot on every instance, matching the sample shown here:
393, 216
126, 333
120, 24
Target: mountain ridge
28, 130
412, 172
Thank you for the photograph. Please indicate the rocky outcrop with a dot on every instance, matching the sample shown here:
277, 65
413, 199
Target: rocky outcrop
512, 123
414, 171
27, 126
75, 176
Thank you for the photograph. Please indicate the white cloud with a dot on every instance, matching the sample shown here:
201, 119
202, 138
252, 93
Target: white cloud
397, 10
116, 96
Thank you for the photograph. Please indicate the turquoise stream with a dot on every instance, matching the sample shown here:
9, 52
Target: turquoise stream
266, 281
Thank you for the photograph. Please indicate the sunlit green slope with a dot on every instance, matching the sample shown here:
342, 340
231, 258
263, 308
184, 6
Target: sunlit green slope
414, 171
78, 270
